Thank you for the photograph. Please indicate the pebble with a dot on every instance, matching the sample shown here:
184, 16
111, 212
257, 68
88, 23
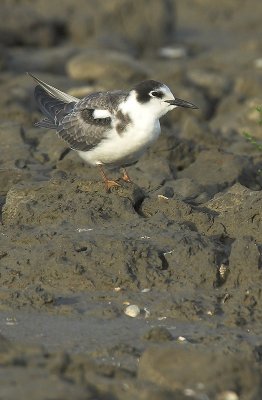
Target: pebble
181, 339
189, 392
147, 312
132, 311
172, 52
228, 395
258, 63
161, 197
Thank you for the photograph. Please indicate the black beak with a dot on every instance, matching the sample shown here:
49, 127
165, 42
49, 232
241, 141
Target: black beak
180, 103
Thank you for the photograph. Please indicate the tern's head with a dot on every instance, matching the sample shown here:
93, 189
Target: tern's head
158, 98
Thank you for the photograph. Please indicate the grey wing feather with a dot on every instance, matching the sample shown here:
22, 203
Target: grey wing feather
45, 123
82, 131
103, 100
73, 118
58, 94
50, 106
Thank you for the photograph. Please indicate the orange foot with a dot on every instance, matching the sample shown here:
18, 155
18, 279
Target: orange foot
126, 177
111, 184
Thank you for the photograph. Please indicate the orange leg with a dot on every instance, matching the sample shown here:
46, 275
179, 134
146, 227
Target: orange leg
108, 183
125, 176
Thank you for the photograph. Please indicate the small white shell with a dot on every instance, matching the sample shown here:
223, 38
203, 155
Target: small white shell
181, 339
161, 197
132, 311
147, 312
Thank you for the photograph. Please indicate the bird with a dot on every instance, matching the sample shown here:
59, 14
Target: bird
108, 129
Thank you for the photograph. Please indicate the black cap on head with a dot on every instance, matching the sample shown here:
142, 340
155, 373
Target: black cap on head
144, 88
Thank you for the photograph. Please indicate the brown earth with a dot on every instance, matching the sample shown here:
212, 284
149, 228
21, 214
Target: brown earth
183, 242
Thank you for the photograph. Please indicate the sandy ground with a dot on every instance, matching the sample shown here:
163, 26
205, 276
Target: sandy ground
183, 242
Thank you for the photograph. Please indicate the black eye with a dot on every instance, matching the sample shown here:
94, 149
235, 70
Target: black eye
157, 94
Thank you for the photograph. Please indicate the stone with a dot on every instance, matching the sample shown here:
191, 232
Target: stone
179, 368
212, 82
215, 170
110, 68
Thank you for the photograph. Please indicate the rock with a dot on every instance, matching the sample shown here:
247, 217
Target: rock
112, 24
193, 95
150, 171
186, 188
247, 85
15, 154
132, 311
233, 119
179, 368
158, 334
192, 130
41, 60
51, 148
46, 23
24, 24
14, 101
228, 395
10, 175
239, 211
258, 63
22, 376
106, 67
5, 345
180, 153
212, 82
38, 202
215, 170
244, 264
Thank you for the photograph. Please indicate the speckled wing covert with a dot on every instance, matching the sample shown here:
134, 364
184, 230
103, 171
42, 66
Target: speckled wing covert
80, 128
74, 119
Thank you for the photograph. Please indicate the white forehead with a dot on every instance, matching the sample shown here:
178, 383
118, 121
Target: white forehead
165, 89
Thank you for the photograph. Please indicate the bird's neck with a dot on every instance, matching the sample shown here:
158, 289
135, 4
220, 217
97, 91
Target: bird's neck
139, 113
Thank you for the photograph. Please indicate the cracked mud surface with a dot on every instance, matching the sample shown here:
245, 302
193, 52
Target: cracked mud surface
183, 242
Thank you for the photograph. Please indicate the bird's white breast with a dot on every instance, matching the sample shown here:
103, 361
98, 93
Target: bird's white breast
127, 146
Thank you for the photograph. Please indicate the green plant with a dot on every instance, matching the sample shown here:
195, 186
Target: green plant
249, 137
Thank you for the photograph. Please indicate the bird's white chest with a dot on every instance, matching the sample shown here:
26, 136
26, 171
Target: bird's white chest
138, 136
123, 148
135, 128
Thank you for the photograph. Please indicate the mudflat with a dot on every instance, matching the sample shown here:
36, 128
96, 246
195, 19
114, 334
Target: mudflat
152, 291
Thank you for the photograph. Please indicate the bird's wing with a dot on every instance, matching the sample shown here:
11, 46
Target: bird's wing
52, 91
81, 130
90, 120
81, 123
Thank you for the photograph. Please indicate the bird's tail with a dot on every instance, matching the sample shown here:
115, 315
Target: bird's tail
52, 91
52, 102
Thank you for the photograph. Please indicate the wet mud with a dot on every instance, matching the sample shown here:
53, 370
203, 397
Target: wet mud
182, 242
